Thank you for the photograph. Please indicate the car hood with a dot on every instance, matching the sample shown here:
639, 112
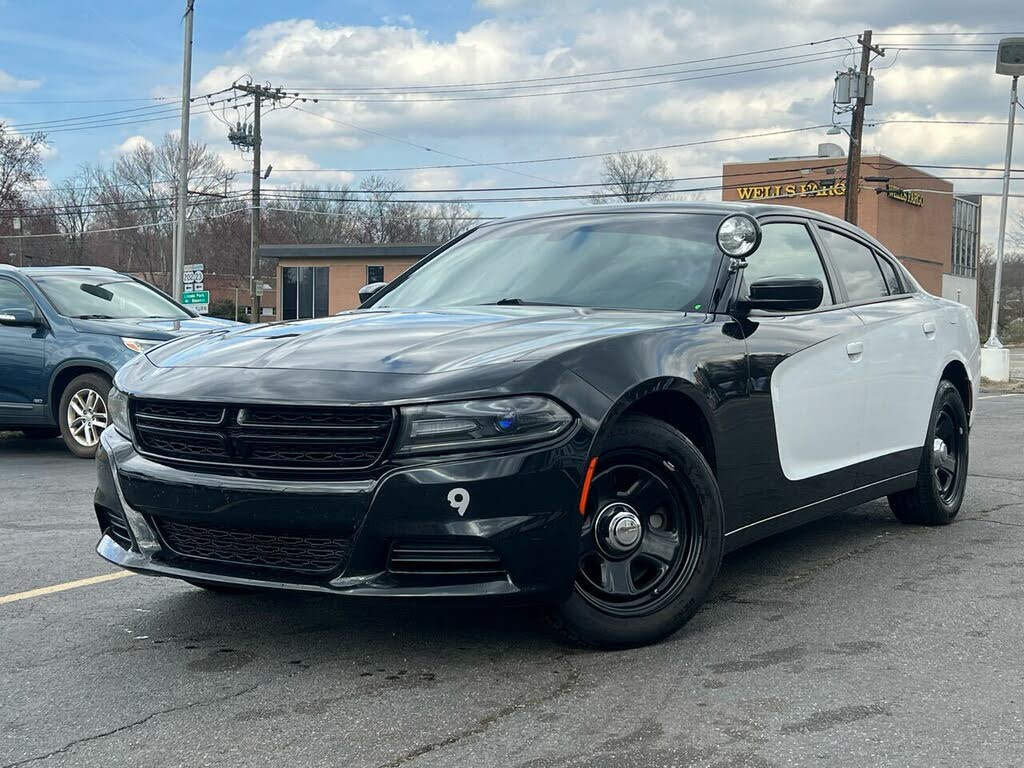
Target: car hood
153, 327
411, 341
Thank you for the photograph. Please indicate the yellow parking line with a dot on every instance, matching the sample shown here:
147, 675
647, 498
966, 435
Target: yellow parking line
62, 587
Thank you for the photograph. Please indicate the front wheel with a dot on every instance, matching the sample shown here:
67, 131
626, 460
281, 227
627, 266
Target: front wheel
83, 413
651, 539
942, 473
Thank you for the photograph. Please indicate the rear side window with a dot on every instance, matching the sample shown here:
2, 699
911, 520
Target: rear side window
857, 267
892, 282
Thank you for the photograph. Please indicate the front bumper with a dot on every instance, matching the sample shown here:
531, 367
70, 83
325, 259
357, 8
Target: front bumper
522, 506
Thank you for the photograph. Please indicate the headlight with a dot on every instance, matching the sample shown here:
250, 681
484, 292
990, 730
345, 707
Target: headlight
117, 408
477, 424
140, 345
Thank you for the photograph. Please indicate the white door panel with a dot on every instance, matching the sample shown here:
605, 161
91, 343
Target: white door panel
818, 396
904, 345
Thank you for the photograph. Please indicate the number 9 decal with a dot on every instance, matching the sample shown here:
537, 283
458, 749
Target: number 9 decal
459, 499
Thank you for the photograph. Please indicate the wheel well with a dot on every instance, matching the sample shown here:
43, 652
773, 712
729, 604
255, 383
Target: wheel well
681, 412
63, 378
956, 374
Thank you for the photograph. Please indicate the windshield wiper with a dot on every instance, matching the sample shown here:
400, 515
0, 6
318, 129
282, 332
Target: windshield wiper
515, 301
94, 317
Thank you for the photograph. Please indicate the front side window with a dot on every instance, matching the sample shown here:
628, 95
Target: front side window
656, 261
13, 296
786, 250
857, 267
103, 298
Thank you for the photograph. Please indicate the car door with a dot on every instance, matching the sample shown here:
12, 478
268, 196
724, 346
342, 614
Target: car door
807, 388
903, 343
22, 357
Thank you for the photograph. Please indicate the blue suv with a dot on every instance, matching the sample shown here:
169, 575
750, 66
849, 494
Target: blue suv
64, 332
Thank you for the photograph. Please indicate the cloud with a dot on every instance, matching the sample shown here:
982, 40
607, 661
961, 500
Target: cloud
131, 144
10, 83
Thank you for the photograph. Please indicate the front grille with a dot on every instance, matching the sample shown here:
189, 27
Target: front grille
285, 437
259, 550
443, 559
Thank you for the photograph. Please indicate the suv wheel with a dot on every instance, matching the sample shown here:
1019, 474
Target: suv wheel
83, 413
651, 541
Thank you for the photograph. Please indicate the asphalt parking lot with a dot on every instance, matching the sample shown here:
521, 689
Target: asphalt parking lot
854, 641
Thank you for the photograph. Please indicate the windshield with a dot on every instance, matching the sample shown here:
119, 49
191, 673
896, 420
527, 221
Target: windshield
100, 297
663, 261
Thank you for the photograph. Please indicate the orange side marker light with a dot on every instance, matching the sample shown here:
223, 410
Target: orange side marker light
586, 485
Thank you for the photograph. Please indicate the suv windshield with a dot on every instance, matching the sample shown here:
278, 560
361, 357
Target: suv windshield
94, 296
662, 261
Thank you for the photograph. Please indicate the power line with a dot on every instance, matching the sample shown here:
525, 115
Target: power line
421, 146
120, 229
575, 92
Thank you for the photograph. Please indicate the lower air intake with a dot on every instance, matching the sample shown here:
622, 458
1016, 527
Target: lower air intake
444, 559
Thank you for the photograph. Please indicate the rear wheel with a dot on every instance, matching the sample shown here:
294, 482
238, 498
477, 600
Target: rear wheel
83, 413
942, 474
650, 543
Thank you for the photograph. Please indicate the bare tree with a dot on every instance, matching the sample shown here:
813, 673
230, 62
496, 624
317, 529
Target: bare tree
633, 177
21, 160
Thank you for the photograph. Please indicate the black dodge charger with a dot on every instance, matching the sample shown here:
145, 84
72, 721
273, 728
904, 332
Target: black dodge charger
586, 409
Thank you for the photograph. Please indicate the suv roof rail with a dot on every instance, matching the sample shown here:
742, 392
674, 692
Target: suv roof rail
74, 268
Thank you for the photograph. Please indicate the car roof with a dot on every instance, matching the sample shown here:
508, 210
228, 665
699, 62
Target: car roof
67, 271
757, 210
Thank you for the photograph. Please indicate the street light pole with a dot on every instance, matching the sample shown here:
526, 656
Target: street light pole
178, 260
993, 331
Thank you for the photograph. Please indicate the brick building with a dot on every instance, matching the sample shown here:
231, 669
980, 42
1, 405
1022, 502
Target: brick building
912, 214
319, 280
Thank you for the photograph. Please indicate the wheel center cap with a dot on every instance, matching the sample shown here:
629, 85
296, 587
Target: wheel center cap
618, 528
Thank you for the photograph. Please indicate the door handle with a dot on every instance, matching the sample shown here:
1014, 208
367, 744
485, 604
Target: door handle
928, 328
854, 350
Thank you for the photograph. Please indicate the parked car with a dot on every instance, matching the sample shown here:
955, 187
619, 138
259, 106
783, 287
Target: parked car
64, 332
586, 408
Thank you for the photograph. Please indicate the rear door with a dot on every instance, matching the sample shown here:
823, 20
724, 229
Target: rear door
902, 353
22, 384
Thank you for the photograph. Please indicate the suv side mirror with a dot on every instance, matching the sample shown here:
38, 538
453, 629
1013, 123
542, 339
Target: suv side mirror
18, 316
367, 292
783, 294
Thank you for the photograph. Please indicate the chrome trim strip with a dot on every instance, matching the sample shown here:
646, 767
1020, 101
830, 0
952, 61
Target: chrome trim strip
821, 501
144, 536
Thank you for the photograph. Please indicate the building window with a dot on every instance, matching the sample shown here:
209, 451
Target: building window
374, 274
304, 292
966, 235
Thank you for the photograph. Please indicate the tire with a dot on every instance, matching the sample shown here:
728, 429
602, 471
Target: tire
650, 589
224, 589
40, 433
942, 474
86, 393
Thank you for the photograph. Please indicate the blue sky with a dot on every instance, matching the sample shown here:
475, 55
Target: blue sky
53, 50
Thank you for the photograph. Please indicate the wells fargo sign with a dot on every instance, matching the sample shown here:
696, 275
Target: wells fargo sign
913, 198
803, 189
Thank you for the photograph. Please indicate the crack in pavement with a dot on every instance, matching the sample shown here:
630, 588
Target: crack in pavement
484, 724
126, 727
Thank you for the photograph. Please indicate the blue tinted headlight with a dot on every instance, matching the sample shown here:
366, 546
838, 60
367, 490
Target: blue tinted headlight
474, 424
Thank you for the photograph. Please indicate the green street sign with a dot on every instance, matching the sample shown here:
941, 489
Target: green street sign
196, 297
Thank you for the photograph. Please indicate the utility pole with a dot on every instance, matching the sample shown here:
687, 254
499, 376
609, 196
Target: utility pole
857, 126
251, 137
178, 260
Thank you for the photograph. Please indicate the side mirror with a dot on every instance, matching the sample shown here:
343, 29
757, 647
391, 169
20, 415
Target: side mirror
18, 316
367, 292
783, 294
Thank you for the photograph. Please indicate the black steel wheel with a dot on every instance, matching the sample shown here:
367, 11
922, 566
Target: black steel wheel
938, 493
640, 542
650, 540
